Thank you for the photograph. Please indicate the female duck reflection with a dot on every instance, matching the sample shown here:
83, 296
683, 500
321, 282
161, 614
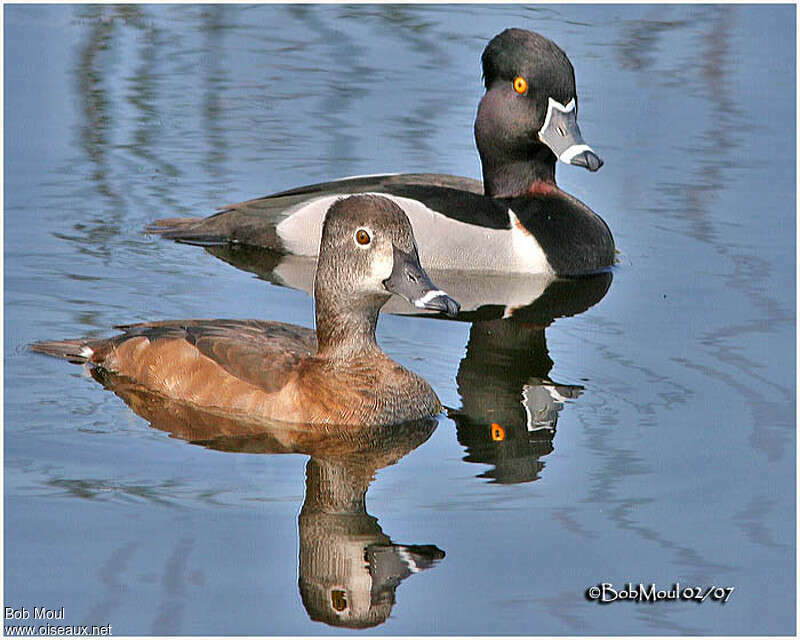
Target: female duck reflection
349, 568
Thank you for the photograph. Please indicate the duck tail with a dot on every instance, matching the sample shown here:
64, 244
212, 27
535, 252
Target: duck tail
76, 351
188, 230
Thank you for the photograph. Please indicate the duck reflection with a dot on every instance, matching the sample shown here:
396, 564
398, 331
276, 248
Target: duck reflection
510, 405
481, 296
349, 569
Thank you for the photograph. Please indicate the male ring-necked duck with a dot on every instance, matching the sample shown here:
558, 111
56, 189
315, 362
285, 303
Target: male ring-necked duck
517, 221
287, 373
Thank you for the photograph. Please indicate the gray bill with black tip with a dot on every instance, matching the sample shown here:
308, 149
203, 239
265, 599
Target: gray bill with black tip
560, 132
409, 280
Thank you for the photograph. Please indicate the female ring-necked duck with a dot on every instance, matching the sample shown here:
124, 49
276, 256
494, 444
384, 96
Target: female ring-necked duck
517, 221
287, 373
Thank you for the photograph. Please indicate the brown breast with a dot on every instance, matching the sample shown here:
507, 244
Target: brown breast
367, 390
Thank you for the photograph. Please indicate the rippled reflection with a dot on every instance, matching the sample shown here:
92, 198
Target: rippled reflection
510, 405
349, 568
119, 115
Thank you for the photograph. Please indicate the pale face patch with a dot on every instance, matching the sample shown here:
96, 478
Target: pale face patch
408, 559
382, 263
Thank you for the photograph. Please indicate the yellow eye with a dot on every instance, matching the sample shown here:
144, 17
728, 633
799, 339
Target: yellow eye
498, 433
520, 85
362, 237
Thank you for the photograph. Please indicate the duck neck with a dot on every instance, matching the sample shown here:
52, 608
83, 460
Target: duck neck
345, 331
336, 487
519, 176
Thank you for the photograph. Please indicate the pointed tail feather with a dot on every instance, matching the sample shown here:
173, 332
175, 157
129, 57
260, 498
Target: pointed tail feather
166, 225
186, 230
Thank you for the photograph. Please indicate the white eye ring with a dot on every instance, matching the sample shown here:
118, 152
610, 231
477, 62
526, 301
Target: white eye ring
362, 237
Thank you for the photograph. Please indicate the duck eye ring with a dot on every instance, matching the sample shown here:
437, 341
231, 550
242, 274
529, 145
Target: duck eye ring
362, 237
520, 85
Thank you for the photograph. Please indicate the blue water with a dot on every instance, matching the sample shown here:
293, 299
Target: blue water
669, 403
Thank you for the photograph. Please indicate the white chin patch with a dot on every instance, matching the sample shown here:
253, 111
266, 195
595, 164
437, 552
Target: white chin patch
435, 293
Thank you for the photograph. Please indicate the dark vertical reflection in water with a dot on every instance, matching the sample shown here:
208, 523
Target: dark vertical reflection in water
143, 91
509, 404
700, 74
214, 79
343, 85
717, 154
349, 569
418, 30
90, 75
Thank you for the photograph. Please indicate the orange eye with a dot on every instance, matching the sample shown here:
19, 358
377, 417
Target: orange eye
498, 433
362, 237
520, 85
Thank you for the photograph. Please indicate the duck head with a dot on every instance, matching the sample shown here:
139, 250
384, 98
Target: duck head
367, 253
527, 119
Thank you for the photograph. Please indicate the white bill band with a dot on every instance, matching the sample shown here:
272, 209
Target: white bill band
435, 293
573, 151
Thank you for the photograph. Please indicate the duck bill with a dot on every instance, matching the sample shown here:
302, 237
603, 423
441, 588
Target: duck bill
409, 280
561, 134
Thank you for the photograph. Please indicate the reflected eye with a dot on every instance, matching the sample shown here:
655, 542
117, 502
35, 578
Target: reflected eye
338, 600
520, 85
362, 237
498, 433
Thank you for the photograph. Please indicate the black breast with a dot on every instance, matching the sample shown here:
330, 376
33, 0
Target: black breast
574, 238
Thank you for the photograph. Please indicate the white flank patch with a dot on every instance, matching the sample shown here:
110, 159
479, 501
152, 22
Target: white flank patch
527, 247
86, 352
444, 243
301, 231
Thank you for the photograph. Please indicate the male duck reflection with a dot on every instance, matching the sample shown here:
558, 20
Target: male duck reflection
284, 372
517, 221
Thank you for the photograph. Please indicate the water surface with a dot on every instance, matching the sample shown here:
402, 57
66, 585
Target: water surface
648, 435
